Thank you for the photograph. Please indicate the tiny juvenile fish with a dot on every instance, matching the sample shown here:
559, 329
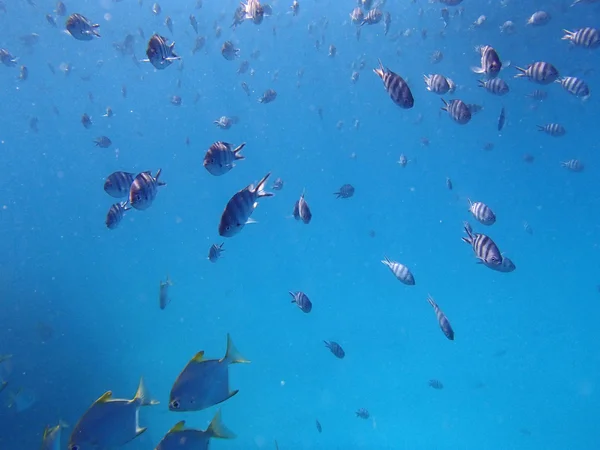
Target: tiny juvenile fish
435, 384
363, 413
335, 348
302, 301
81, 28
442, 319
319, 427
163, 293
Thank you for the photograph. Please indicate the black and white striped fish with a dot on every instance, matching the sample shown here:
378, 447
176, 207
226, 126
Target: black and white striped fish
396, 87
115, 214
553, 129
575, 86
81, 28
214, 252
302, 301
495, 86
539, 72
240, 207
143, 189
482, 212
220, 156
483, 246
160, 54
490, 62
335, 348
439, 84
584, 37
442, 319
458, 110
400, 271
117, 184
574, 165
374, 16
505, 266
302, 210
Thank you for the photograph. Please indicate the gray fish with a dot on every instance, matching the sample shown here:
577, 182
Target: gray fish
103, 142
214, 252
163, 292
363, 413
144, 188
387, 21
7, 58
458, 111
23, 73
495, 86
396, 87
336, 349
240, 207
501, 119
81, 28
574, 165
181, 438
439, 84
575, 86
505, 266
51, 20
553, 129
302, 301
484, 247
539, 18
482, 212
194, 23
449, 183
435, 384
229, 51
584, 37
442, 319
204, 383
302, 210
373, 17
490, 62
160, 54
346, 191
115, 214
169, 23
118, 184
61, 9
110, 422
278, 184
539, 72
269, 96
400, 271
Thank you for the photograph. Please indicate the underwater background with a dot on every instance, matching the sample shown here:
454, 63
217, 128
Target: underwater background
79, 301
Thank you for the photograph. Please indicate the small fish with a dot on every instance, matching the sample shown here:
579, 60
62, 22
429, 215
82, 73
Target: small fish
118, 184
483, 246
198, 44
194, 23
86, 121
319, 427
295, 10
156, 9
269, 96
21, 400
61, 9
553, 129
115, 214
302, 210
539, 18
181, 438
575, 86
482, 213
7, 58
229, 51
51, 436
449, 183
254, 11
574, 165
538, 95
204, 382
224, 122
396, 87
302, 301
539, 72
51, 20
175, 100
110, 422
442, 319
490, 62
160, 54
363, 413
332, 51
400, 271
278, 184
458, 111
102, 142
495, 86
527, 227
346, 191
335, 348
240, 207
143, 189
169, 23
501, 119
439, 84
33, 124
163, 293
214, 252
357, 16
508, 27
81, 28
584, 37
387, 22
435, 384
373, 17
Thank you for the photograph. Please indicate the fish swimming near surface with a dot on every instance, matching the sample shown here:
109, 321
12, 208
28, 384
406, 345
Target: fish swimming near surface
110, 422
204, 382
181, 438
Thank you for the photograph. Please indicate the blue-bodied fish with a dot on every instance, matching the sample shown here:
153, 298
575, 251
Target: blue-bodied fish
319, 427
442, 319
484, 247
501, 119
115, 214
458, 110
490, 62
220, 156
21, 400
51, 437
363, 413
400, 271
181, 438
110, 422
214, 252
102, 142
346, 191
163, 292
482, 212
302, 301
240, 207
143, 189
204, 383
160, 54
396, 87
335, 348
7, 58
118, 184
81, 28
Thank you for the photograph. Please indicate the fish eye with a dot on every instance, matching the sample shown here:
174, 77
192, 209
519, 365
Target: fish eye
74, 447
174, 404
228, 227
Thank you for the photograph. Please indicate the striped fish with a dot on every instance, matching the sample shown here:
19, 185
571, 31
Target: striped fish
495, 86
143, 189
254, 11
81, 28
575, 86
505, 266
490, 62
584, 37
214, 252
458, 111
117, 184
220, 156
439, 84
335, 348
374, 16
240, 207
302, 210
115, 214
539, 72
553, 129
400, 271
574, 165
484, 247
160, 55
482, 212
357, 16
396, 87
442, 319
302, 301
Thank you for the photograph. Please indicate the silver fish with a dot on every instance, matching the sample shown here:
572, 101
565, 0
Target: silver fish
219, 158
302, 210
553, 129
584, 37
539, 72
115, 214
214, 252
81, 28
482, 212
442, 319
144, 188
458, 111
575, 86
483, 246
490, 62
118, 184
160, 54
400, 271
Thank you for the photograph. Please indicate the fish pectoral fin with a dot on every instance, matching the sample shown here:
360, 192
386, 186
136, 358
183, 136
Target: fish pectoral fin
477, 69
140, 431
216, 428
250, 220
232, 393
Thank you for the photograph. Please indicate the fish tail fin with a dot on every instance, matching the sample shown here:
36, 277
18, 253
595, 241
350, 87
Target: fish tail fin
233, 356
237, 151
160, 183
522, 72
445, 107
142, 397
217, 429
260, 192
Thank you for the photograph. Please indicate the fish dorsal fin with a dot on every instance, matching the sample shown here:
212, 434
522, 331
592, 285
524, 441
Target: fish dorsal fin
198, 357
233, 356
178, 427
105, 397
142, 396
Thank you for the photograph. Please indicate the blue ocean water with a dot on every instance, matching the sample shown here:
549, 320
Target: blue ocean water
80, 311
